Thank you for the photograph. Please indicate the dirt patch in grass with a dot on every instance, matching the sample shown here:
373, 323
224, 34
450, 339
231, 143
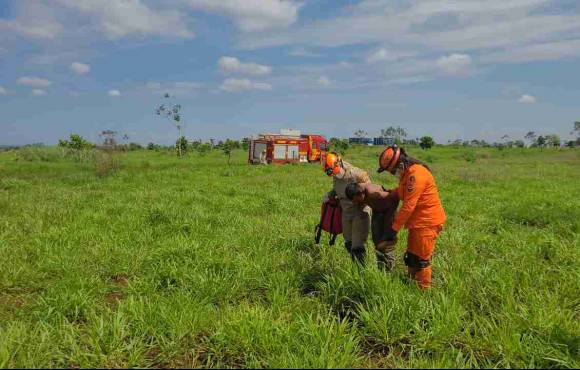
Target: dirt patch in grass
113, 298
121, 280
11, 303
380, 355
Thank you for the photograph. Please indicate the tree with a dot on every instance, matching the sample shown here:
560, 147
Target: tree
245, 143
389, 132
361, 134
576, 130
228, 147
541, 141
173, 114
75, 142
426, 142
531, 137
398, 133
109, 138
519, 144
338, 145
553, 140
181, 145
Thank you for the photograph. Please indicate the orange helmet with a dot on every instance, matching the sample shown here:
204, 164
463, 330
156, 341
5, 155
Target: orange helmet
389, 159
332, 164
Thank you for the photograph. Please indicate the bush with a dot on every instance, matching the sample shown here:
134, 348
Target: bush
34, 154
106, 163
469, 157
135, 146
427, 142
203, 149
340, 146
153, 146
76, 142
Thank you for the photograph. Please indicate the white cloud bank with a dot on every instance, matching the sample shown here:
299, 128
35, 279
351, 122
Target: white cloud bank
118, 19
252, 15
114, 93
527, 99
455, 64
80, 68
233, 65
34, 82
236, 85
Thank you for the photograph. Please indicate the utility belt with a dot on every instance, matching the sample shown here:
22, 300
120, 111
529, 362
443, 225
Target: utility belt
414, 261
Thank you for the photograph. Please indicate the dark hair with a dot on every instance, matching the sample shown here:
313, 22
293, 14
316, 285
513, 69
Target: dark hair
352, 190
409, 161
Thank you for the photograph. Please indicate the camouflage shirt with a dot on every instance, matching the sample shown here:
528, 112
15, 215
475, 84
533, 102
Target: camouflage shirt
352, 174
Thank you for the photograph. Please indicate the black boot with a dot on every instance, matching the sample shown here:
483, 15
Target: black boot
348, 246
358, 255
385, 260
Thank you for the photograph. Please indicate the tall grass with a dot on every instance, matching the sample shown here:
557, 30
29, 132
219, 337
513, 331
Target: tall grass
193, 263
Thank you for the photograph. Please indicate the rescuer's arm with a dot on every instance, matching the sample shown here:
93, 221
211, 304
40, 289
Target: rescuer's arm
382, 195
361, 176
414, 186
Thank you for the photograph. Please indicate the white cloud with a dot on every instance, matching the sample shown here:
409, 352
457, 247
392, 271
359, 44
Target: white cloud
32, 20
324, 81
303, 52
252, 15
527, 99
80, 68
233, 65
44, 30
39, 92
33, 81
119, 19
3, 91
536, 52
235, 85
384, 55
114, 93
508, 30
455, 64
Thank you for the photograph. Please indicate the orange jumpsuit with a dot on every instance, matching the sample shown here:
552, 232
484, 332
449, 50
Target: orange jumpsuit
423, 214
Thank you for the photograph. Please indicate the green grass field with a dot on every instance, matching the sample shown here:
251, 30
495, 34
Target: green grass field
193, 263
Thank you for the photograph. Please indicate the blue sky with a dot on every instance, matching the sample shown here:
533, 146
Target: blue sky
453, 69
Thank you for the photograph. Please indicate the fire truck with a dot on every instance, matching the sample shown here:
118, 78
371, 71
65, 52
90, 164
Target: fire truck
287, 147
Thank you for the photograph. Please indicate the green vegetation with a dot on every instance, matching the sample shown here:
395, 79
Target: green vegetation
427, 142
149, 260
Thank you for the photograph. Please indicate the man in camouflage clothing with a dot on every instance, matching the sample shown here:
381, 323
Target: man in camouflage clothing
356, 219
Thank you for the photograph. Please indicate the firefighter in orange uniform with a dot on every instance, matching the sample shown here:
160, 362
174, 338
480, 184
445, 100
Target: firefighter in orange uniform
421, 213
356, 219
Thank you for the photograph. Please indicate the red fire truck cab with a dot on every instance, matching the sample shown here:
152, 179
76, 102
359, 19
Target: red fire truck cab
282, 149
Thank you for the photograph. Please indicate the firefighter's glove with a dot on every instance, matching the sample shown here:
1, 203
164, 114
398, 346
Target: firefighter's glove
328, 196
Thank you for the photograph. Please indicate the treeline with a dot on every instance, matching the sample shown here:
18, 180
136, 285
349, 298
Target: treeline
399, 136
